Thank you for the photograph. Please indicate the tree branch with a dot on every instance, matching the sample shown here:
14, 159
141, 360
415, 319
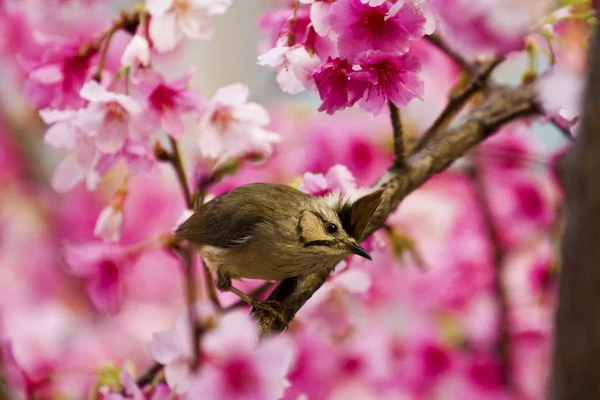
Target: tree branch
436, 40
577, 327
437, 152
399, 148
457, 101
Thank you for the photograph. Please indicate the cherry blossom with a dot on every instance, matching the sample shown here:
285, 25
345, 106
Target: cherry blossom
294, 66
363, 27
174, 19
233, 129
168, 100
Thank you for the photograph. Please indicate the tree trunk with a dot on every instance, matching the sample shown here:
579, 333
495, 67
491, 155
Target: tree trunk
576, 365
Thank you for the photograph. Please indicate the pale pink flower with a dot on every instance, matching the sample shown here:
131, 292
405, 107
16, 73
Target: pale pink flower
319, 13
110, 117
101, 266
560, 91
396, 79
168, 100
339, 85
233, 129
67, 132
174, 348
109, 224
137, 53
173, 19
294, 66
363, 27
12, 373
337, 178
240, 367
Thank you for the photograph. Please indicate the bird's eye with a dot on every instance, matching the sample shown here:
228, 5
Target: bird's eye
331, 228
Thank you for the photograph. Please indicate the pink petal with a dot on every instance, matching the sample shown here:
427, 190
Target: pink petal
172, 123
158, 8
164, 347
111, 137
136, 52
232, 95
178, 376
67, 175
319, 13
164, 32
109, 224
251, 112
48, 74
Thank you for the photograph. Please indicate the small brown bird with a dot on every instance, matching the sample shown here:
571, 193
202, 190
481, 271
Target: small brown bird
273, 231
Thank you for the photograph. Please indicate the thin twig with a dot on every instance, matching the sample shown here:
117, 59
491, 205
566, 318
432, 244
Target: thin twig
438, 42
399, 148
457, 101
103, 54
148, 376
175, 160
190, 289
503, 341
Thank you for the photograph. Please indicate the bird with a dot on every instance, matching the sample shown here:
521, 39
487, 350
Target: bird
273, 231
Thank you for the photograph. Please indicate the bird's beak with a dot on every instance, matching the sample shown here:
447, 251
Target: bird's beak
358, 250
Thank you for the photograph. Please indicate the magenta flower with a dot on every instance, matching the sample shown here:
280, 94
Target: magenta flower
233, 129
168, 100
363, 27
339, 85
396, 79
56, 78
101, 266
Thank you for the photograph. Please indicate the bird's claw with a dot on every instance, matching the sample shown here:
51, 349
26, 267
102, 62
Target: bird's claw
269, 306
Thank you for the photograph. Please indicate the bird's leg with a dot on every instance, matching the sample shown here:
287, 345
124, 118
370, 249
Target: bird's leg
223, 283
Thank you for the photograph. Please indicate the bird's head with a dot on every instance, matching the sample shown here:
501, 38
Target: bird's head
335, 224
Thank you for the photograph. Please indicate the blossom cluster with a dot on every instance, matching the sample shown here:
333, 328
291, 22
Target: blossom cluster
349, 51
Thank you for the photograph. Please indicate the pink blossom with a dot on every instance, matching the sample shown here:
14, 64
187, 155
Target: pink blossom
101, 266
174, 348
294, 66
110, 221
56, 78
67, 132
137, 53
338, 178
233, 129
363, 27
238, 366
560, 90
396, 79
168, 100
110, 117
488, 26
174, 19
339, 85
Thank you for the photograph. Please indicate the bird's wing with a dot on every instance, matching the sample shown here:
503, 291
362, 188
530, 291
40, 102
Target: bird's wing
230, 219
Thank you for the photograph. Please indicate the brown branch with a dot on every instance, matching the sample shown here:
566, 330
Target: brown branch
503, 342
148, 376
436, 40
500, 106
458, 99
399, 148
174, 158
